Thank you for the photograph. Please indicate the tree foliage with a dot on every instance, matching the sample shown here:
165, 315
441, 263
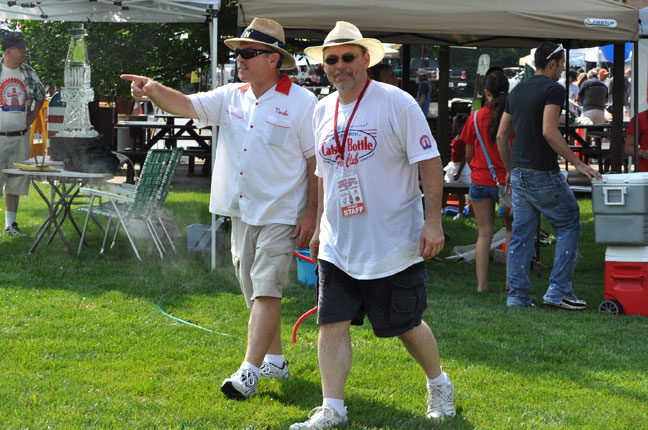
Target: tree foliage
167, 52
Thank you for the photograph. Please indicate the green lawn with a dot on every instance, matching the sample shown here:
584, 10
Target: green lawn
83, 344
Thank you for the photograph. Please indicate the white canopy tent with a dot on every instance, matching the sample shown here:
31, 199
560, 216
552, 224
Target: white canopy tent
126, 11
111, 11
504, 23
494, 23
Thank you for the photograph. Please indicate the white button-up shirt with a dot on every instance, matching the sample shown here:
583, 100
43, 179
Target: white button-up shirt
260, 170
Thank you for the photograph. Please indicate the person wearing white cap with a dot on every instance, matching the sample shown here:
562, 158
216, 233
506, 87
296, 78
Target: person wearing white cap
263, 179
371, 238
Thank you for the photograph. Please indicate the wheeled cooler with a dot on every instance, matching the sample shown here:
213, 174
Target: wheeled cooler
626, 280
620, 207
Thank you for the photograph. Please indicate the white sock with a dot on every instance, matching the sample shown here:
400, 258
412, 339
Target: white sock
10, 218
336, 404
251, 367
276, 359
441, 379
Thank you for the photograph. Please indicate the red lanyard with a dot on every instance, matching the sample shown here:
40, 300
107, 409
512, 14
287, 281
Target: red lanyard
340, 147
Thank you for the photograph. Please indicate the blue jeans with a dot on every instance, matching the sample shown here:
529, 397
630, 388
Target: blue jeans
536, 192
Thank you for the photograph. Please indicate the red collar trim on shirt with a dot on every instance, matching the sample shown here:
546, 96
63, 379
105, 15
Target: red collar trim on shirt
283, 86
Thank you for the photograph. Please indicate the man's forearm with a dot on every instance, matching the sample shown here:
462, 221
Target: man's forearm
505, 152
432, 181
311, 203
559, 145
32, 115
172, 101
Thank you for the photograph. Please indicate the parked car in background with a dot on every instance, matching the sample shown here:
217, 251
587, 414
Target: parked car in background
429, 64
515, 75
458, 77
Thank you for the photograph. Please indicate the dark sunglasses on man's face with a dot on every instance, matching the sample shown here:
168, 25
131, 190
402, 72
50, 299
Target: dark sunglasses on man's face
248, 53
333, 59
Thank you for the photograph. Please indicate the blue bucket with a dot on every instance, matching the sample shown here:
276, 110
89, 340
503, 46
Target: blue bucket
305, 270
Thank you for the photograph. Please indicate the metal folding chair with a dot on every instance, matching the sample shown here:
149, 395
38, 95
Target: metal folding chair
123, 208
165, 188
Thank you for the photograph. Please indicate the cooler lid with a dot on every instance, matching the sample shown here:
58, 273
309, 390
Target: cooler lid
627, 253
622, 178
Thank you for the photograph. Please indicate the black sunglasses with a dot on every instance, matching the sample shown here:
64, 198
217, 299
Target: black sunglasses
248, 53
333, 59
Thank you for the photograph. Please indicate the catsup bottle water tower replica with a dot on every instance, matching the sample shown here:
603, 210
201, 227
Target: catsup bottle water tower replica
76, 133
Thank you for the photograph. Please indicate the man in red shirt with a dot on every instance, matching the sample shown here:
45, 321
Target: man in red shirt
642, 150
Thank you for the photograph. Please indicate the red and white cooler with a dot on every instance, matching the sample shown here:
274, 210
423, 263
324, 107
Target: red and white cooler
626, 280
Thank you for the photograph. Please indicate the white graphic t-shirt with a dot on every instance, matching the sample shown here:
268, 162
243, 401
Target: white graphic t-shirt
387, 137
13, 100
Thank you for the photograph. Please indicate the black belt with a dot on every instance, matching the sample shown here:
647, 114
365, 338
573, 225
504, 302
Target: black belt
13, 133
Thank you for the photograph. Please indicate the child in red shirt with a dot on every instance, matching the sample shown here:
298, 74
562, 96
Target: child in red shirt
457, 170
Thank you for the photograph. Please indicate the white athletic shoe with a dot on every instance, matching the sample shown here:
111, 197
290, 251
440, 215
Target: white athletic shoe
240, 385
440, 400
13, 230
322, 417
269, 370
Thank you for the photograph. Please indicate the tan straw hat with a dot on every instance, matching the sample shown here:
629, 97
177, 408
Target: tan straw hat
346, 33
269, 33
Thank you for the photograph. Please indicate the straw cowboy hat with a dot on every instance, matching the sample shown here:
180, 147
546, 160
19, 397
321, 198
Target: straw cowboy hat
346, 33
266, 32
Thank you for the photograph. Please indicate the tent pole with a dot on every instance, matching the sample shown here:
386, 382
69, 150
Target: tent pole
635, 102
213, 32
567, 107
616, 138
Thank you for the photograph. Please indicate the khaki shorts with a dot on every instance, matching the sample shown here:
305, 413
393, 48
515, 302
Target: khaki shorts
261, 256
14, 149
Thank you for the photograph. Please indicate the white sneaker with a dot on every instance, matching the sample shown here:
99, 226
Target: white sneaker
440, 400
322, 417
14, 230
240, 385
269, 370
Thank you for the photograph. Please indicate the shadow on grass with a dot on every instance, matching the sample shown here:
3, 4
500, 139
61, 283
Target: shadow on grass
364, 413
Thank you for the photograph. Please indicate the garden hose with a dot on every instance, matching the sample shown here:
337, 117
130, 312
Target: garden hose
183, 321
308, 312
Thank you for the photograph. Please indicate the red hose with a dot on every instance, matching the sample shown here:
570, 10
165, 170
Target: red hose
299, 321
303, 257
310, 311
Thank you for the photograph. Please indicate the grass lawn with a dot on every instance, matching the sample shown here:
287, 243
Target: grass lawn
83, 344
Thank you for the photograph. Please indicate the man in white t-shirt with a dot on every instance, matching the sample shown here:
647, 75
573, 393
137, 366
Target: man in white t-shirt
21, 98
571, 77
371, 238
263, 179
